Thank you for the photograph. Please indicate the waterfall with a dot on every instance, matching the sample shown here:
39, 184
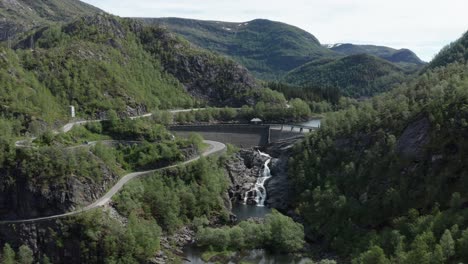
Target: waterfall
259, 188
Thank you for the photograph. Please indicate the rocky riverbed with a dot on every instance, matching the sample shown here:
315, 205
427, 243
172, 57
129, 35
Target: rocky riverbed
246, 166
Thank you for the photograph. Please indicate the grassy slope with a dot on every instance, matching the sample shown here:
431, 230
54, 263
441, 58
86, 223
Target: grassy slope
266, 48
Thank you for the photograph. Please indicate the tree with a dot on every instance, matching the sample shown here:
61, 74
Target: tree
46, 260
447, 244
8, 255
375, 255
146, 234
420, 252
25, 255
237, 237
286, 235
301, 108
228, 114
112, 117
462, 245
455, 202
197, 140
438, 255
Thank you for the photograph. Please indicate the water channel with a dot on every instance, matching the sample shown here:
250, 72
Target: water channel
243, 212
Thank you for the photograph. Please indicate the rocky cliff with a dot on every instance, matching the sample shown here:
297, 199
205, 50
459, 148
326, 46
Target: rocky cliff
213, 78
278, 186
243, 170
24, 197
246, 166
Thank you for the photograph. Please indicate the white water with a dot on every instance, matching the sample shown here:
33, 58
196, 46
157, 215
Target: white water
259, 188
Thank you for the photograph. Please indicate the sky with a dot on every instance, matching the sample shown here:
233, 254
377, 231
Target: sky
424, 26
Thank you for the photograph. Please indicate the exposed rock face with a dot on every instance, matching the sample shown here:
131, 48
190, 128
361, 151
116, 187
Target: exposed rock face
247, 165
41, 238
212, 78
278, 187
24, 199
201, 78
243, 170
414, 138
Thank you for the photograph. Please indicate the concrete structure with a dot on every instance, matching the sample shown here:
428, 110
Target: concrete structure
241, 135
292, 128
256, 121
72, 111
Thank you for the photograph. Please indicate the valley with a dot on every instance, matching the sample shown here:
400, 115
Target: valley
157, 140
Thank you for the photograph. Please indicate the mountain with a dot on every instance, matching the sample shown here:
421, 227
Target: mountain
355, 75
267, 48
18, 16
457, 51
384, 180
104, 63
279, 52
405, 58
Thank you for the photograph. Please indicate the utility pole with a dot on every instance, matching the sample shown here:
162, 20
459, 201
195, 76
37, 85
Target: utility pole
9, 41
7, 38
32, 42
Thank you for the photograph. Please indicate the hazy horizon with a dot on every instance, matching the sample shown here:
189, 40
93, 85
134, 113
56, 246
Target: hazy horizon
421, 26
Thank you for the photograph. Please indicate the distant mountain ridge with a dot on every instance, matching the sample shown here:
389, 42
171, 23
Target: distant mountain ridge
276, 51
403, 57
270, 50
354, 75
267, 48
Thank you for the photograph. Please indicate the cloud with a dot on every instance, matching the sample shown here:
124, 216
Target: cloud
424, 26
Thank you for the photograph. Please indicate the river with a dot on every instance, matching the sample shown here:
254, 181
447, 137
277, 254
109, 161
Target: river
192, 254
257, 256
245, 211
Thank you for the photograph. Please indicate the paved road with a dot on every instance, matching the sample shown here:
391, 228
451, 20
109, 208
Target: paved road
67, 127
215, 148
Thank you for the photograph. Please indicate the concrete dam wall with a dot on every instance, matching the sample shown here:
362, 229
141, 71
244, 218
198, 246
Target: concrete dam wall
241, 135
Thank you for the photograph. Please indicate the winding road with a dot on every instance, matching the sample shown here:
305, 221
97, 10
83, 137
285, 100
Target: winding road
214, 148
67, 127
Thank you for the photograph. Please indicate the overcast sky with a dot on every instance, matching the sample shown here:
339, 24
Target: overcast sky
424, 26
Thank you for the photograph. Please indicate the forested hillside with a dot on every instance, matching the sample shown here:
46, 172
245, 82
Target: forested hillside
384, 182
457, 51
103, 63
19, 16
267, 48
279, 52
355, 75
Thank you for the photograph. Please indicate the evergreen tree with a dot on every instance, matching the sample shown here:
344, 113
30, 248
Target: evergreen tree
8, 255
447, 244
375, 255
25, 255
